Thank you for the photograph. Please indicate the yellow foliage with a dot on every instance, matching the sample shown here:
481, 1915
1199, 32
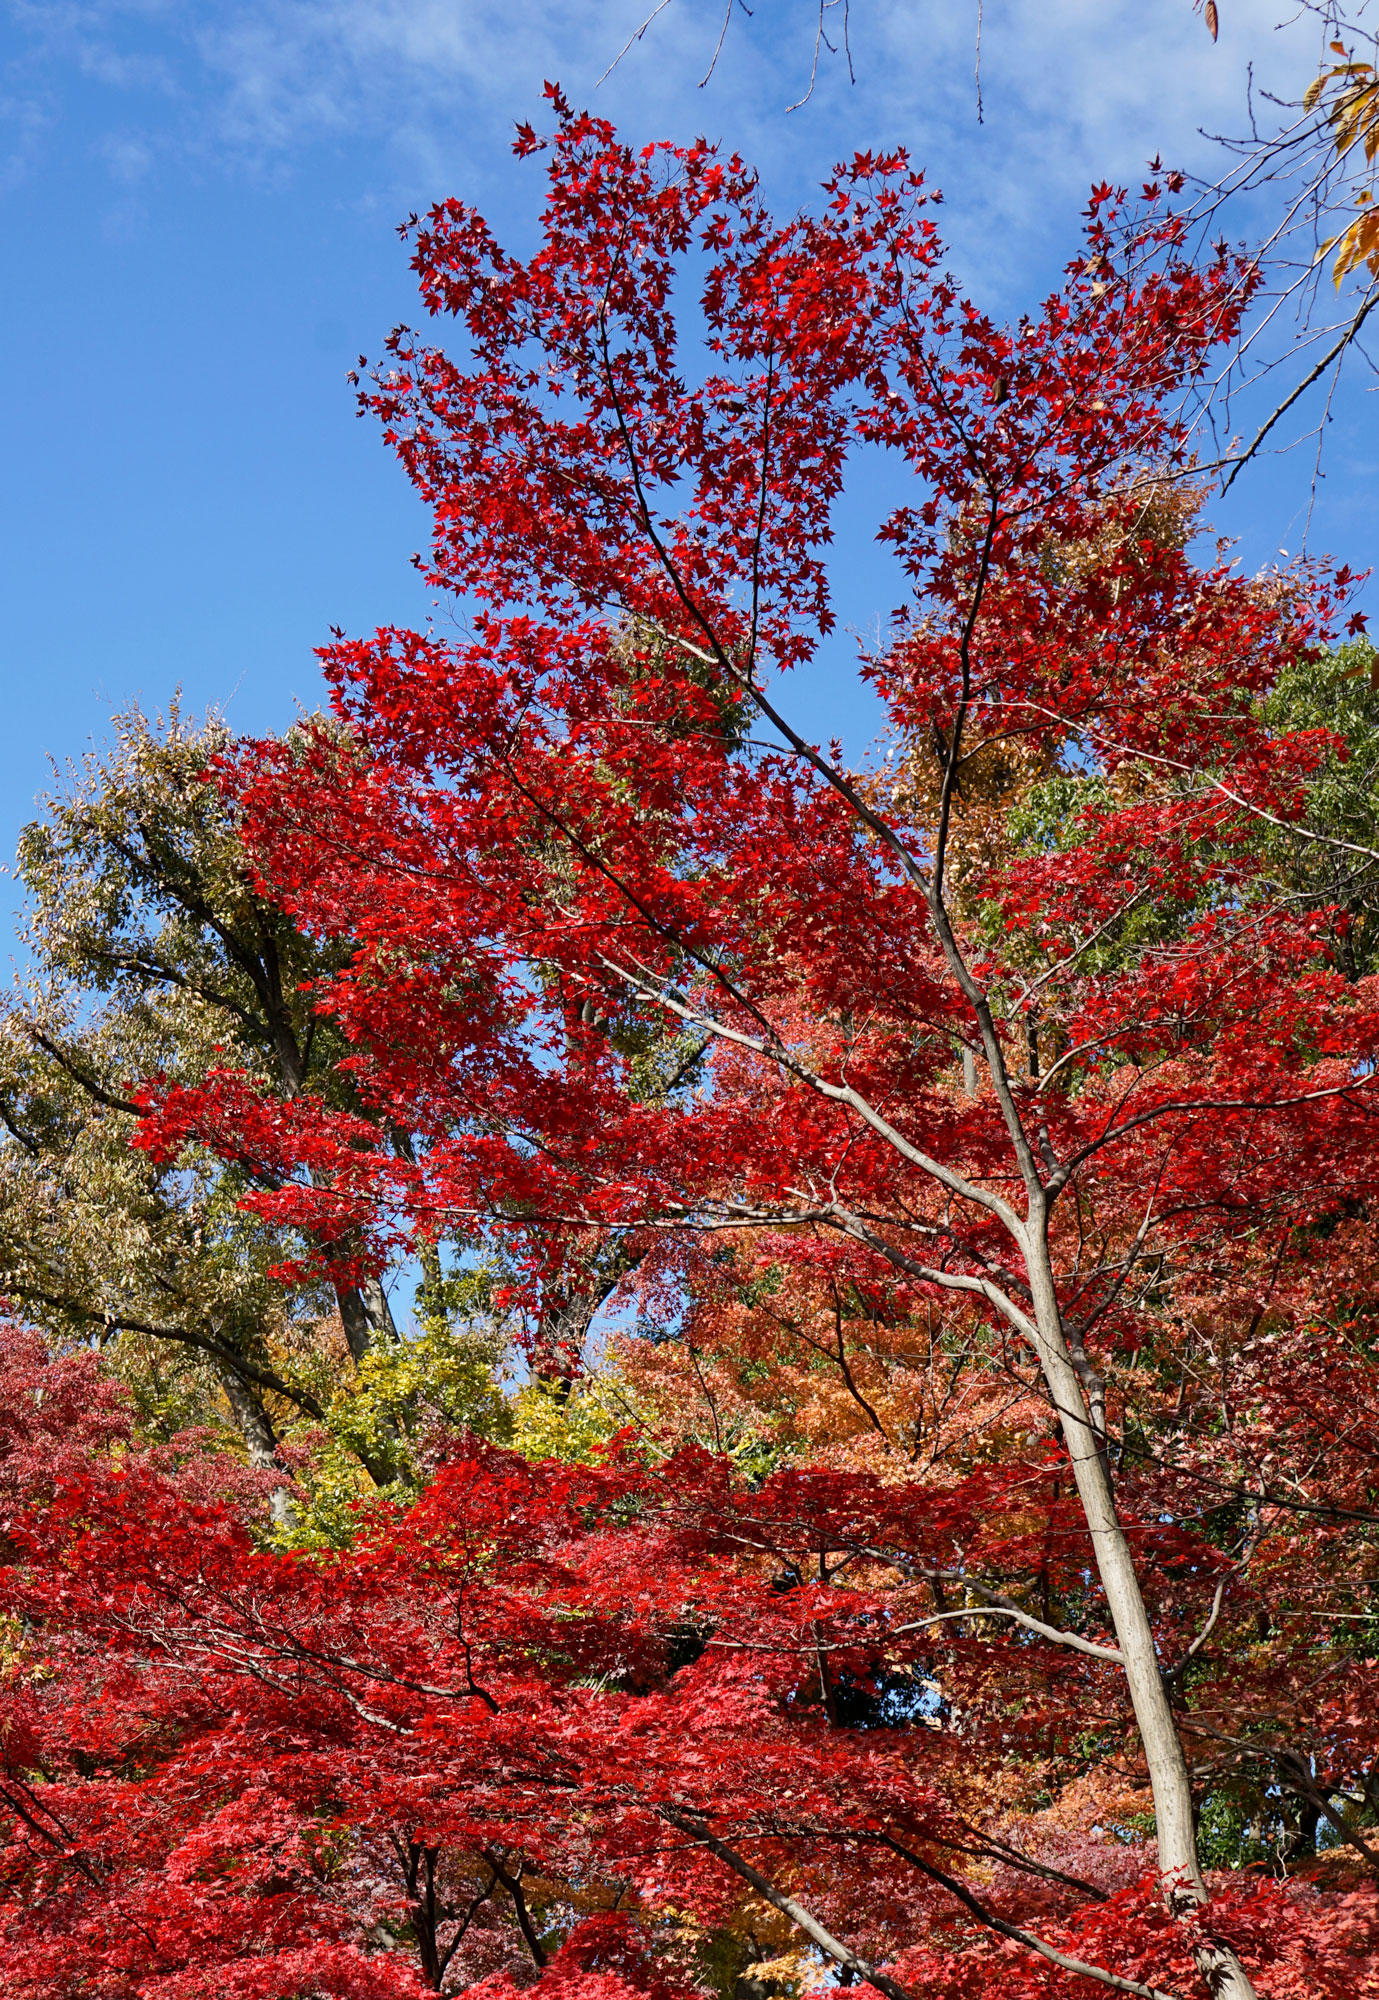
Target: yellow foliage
548, 1422
1353, 115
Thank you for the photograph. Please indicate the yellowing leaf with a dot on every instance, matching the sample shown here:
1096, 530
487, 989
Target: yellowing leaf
1358, 245
1354, 119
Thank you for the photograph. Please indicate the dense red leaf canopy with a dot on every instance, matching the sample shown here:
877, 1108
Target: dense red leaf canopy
568, 811
639, 964
577, 1665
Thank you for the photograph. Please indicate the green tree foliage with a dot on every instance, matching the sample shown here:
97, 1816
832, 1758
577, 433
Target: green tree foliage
150, 953
1330, 861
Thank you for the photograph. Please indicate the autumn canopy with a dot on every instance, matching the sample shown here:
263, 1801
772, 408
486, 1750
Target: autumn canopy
925, 1210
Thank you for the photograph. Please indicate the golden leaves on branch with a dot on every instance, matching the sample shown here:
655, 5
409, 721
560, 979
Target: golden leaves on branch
1353, 114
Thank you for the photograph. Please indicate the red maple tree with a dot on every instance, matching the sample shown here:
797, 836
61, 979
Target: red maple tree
657, 979
573, 1713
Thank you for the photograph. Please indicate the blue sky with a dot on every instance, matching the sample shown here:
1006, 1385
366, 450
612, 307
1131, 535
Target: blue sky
199, 202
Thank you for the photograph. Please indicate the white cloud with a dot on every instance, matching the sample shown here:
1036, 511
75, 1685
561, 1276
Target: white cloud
1074, 91
24, 120
128, 157
427, 90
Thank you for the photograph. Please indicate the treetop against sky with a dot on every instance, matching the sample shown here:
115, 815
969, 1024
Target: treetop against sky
199, 211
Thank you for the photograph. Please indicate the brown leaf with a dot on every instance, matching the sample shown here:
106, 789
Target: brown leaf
1213, 19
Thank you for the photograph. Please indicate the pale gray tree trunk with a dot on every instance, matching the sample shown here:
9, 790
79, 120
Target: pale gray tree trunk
260, 1441
1179, 1867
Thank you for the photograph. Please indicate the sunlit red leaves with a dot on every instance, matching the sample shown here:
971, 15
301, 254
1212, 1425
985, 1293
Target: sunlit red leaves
628, 961
214, 1756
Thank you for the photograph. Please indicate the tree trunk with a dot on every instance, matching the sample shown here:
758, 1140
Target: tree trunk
260, 1441
561, 1331
367, 1319
1179, 1869
365, 1314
